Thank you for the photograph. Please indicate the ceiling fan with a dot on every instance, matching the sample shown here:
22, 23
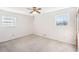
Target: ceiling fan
34, 9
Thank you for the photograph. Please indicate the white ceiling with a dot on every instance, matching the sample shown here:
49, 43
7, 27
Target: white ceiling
25, 11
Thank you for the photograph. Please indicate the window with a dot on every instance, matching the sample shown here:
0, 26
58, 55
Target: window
8, 20
61, 20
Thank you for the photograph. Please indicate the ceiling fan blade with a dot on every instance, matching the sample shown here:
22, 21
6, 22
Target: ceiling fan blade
37, 11
34, 7
31, 12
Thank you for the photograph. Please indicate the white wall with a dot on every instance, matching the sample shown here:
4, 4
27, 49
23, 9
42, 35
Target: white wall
45, 25
23, 26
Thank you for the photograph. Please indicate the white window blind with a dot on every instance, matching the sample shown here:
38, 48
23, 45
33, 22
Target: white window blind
8, 21
61, 20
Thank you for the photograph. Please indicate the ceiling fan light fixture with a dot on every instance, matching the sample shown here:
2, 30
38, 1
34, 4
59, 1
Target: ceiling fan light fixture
35, 10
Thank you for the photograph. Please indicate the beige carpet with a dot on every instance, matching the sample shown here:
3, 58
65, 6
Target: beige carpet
34, 43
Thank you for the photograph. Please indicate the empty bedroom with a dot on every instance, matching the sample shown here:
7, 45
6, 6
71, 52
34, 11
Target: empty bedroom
38, 29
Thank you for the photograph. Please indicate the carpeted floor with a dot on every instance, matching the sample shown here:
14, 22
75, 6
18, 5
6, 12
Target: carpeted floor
34, 43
